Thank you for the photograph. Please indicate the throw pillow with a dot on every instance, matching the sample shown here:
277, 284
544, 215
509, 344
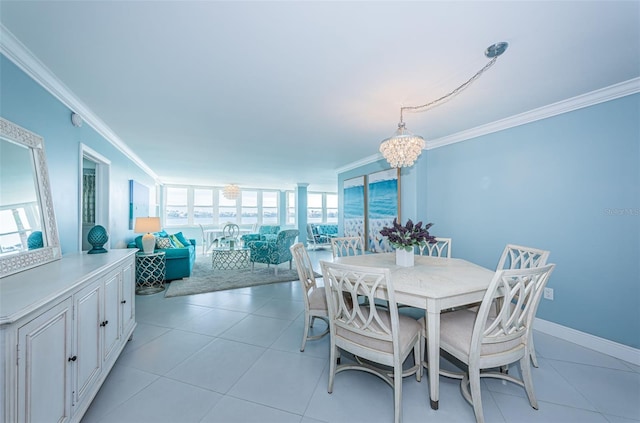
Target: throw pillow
184, 241
176, 242
163, 243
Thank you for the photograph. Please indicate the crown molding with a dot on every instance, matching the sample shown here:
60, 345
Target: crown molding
22, 57
602, 95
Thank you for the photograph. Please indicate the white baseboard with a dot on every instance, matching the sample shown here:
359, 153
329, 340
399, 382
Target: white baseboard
614, 349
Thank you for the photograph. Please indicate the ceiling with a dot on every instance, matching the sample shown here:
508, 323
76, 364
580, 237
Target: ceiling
272, 94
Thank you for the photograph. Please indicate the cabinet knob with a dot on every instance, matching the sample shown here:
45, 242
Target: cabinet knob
105, 323
123, 302
74, 358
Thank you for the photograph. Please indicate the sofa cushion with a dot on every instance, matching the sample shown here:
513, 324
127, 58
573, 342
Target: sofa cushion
163, 243
176, 242
183, 240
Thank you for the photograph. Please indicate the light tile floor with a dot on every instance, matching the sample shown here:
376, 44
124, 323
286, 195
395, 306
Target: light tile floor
233, 356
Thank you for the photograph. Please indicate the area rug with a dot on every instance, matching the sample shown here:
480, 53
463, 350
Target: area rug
204, 279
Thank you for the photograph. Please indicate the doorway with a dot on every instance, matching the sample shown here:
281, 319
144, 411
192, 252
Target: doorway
94, 194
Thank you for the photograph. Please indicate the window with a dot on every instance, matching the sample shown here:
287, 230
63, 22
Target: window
203, 206
291, 208
177, 207
249, 201
227, 210
270, 207
332, 208
314, 207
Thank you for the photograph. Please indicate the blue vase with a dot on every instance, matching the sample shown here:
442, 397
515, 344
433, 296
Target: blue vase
97, 237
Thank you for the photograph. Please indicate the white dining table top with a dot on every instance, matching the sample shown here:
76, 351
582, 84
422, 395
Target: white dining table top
430, 277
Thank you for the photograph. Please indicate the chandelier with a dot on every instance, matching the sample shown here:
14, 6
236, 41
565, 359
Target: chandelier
403, 148
231, 192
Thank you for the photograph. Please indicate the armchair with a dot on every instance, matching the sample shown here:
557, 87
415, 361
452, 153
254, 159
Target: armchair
265, 233
275, 251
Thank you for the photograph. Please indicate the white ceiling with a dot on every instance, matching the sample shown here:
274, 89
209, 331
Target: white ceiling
271, 94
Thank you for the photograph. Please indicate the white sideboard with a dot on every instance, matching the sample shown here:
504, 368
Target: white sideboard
62, 327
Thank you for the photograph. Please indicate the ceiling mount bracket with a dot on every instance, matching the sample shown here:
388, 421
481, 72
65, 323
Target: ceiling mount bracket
496, 49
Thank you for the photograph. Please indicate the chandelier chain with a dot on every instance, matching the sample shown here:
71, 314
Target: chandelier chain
433, 103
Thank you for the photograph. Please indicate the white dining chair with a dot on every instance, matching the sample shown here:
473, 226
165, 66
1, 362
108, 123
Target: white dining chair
372, 334
519, 257
346, 246
483, 341
315, 300
440, 248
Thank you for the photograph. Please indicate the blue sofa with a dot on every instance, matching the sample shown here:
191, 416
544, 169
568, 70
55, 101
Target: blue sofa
179, 261
320, 234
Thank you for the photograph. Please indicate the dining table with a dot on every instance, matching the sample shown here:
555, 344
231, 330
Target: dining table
433, 284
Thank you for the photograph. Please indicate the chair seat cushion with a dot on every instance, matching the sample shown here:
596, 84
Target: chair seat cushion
318, 299
456, 328
409, 329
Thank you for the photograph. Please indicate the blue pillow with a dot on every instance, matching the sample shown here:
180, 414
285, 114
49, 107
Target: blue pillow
139, 242
184, 241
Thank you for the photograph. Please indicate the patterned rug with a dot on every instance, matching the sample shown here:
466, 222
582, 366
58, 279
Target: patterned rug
204, 279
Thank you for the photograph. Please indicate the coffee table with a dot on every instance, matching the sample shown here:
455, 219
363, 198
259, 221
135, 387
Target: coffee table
225, 258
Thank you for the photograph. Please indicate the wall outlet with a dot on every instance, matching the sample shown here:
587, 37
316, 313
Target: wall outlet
548, 294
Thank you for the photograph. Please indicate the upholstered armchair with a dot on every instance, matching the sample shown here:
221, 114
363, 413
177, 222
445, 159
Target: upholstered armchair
275, 251
265, 233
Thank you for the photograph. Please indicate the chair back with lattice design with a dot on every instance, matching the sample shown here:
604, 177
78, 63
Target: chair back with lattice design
518, 257
440, 248
346, 246
505, 330
359, 326
304, 268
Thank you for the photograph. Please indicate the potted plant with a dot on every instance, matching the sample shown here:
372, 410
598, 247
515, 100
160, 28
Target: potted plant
405, 238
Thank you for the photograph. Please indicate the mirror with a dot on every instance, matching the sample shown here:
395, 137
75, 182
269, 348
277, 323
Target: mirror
28, 231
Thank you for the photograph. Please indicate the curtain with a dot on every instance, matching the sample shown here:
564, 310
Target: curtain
88, 196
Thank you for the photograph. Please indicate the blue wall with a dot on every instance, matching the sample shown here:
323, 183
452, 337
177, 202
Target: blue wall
569, 184
26, 103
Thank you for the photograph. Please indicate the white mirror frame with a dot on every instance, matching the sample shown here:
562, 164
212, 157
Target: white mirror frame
14, 263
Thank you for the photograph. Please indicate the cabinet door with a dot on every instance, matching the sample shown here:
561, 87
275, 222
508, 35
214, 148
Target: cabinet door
127, 298
44, 366
87, 345
111, 319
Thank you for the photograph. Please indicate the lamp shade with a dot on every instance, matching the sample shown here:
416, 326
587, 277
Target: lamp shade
147, 224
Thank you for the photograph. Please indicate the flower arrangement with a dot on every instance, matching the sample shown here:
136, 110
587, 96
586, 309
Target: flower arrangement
409, 235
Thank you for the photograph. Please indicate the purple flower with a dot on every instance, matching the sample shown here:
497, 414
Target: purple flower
409, 235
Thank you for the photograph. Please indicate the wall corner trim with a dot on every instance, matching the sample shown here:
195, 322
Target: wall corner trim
602, 95
602, 345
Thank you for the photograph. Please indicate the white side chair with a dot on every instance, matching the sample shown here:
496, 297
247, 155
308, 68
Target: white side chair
230, 232
346, 246
315, 300
440, 248
519, 257
370, 333
485, 341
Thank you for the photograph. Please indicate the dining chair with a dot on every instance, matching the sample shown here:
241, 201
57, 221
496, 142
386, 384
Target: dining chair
315, 300
440, 248
230, 232
346, 246
483, 341
373, 335
205, 239
519, 257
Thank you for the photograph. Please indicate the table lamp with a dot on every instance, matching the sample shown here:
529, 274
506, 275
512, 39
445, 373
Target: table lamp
148, 225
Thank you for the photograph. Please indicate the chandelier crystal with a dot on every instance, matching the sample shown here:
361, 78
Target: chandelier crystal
403, 148
231, 192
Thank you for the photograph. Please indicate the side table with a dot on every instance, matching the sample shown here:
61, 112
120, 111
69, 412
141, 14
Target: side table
223, 258
150, 273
